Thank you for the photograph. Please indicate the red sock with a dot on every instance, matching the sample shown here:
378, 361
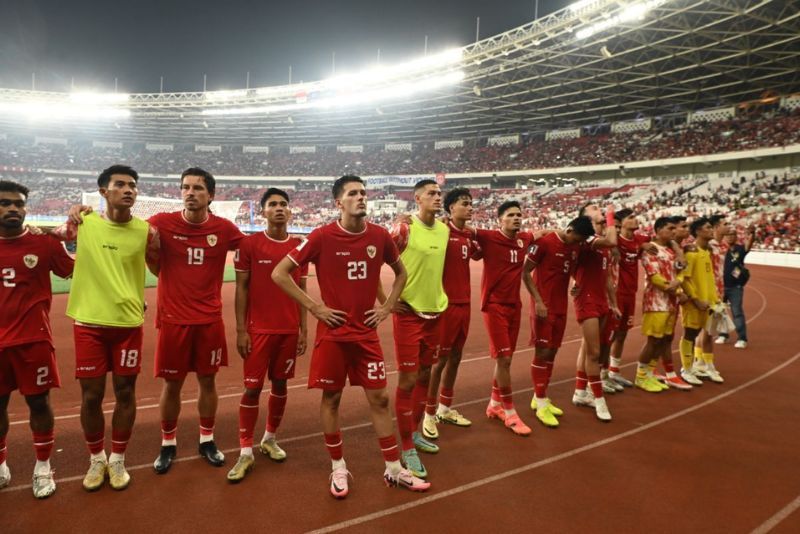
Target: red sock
613, 368
169, 429
507, 398
549, 374
276, 406
668, 367
446, 396
248, 415
43, 445
95, 442
539, 376
333, 442
3, 450
580, 381
495, 391
389, 448
119, 440
419, 397
207, 426
404, 408
597, 386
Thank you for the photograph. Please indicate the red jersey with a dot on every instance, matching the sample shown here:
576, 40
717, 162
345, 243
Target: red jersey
191, 267
348, 269
503, 258
630, 252
269, 309
591, 274
461, 247
25, 294
555, 261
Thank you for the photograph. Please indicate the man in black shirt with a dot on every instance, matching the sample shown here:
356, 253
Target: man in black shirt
735, 276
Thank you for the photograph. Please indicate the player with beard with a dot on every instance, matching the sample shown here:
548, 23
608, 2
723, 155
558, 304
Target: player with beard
348, 255
191, 334
595, 301
27, 359
271, 328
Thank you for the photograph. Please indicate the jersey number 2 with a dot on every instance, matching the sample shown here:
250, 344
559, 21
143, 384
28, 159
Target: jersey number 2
8, 277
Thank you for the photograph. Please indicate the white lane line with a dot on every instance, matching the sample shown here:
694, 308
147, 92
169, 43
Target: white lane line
317, 435
782, 514
547, 461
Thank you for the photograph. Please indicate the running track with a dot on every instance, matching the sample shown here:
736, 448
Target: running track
720, 458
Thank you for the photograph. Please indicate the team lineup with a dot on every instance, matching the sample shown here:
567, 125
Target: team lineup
594, 260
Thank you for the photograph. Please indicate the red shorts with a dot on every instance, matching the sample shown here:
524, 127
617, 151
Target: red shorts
31, 368
453, 328
548, 333
271, 355
333, 362
100, 349
589, 310
415, 341
502, 323
198, 348
627, 308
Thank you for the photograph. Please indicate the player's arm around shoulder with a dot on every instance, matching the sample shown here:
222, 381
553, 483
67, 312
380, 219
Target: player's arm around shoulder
153, 250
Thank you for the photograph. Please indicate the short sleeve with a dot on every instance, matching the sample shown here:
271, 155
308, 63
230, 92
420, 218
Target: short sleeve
481, 236
400, 233
477, 250
241, 257
60, 261
235, 236
390, 251
649, 264
308, 251
536, 252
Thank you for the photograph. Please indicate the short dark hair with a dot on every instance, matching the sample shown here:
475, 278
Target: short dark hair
422, 183
273, 191
454, 195
677, 219
208, 178
338, 185
623, 214
7, 186
716, 219
105, 177
582, 211
662, 222
582, 226
697, 224
507, 205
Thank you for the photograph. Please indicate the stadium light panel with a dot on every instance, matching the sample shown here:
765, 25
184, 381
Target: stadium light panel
632, 12
62, 110
580, 4
223, 96
353, 96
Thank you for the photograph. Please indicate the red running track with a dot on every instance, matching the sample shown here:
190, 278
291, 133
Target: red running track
719, 458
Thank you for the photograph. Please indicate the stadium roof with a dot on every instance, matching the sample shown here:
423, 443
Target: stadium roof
595, 61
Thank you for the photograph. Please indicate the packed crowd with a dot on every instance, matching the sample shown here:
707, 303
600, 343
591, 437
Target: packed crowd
597, 147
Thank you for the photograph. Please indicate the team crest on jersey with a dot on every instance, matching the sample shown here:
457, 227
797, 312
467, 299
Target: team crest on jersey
520, 244
31, 260
371, 251
212, 240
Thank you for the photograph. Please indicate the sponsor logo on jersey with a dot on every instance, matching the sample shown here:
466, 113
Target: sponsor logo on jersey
180, 237
31, 260
371, 251
212, 240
